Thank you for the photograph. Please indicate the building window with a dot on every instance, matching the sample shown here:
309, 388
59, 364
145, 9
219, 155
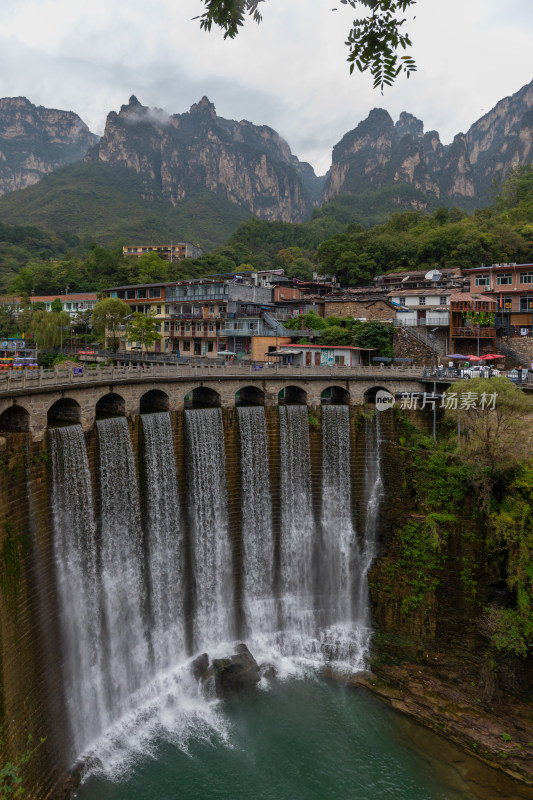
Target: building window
421, 301
187, 326
482, 280
526, 303
507, 303
166, 327
211, 327
186, 345
130, 294
443, 301
526, 277
154, 293
210, 347
211, 309
504, 279
339, 360
120, 295
141, 294
158, 327
198, 329
167, 311
159, 311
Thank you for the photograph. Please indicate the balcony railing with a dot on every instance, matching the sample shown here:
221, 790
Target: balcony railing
474, 332
433, 321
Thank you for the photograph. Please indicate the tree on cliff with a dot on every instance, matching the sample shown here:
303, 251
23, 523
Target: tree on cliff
374, 40
492, 415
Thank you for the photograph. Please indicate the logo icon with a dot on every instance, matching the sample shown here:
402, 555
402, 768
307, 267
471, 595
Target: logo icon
384, 400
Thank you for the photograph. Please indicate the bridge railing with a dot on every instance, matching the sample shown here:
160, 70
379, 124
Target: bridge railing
36, 379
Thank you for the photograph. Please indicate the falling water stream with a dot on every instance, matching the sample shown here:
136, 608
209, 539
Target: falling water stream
135, 571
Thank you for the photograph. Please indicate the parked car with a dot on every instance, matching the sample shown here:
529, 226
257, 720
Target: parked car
479, 371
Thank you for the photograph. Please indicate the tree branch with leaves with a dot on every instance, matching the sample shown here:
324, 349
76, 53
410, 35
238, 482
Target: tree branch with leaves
375, 41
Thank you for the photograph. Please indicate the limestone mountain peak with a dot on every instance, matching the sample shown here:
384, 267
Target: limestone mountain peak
205, 106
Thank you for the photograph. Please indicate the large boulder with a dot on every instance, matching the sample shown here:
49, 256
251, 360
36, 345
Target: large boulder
239, 671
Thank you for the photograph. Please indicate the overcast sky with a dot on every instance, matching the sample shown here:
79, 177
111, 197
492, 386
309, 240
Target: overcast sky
290, 72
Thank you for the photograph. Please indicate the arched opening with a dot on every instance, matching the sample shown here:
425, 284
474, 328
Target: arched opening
153, 401
370, 394
64, 412
250, 396
203, 397
14, 419
335, 396
110, 405
292, 396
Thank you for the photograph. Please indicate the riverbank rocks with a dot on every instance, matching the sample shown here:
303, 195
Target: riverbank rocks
235, 673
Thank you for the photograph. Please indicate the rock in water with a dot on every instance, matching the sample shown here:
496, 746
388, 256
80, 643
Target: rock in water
200, 666
239, 671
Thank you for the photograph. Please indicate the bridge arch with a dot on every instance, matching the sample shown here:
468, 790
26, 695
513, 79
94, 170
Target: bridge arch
292, 395
203, 397
64, 411
15, 419
154, 400
110, 404
335, 395
371, 392
249, 396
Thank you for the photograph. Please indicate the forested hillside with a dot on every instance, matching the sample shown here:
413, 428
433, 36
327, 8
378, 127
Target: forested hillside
332, 241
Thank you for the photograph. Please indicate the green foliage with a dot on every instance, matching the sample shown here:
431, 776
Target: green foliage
375, 334
11, 785
142, 328
423, 555
506, 737
57, 305
511, 628
108, 315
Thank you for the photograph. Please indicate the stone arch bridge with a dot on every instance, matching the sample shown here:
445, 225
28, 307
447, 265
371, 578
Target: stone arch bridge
31, 401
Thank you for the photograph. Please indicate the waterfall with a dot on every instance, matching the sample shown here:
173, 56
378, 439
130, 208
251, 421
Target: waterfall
122, 573
297, 522
257, 532
165, 555
77, 584
338, 551
373, 496
208, 519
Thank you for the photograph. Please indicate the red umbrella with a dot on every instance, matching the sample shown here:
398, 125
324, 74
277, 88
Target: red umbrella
490, 356
476, 358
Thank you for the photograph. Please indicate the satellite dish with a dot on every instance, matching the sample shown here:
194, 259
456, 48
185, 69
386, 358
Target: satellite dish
433, 275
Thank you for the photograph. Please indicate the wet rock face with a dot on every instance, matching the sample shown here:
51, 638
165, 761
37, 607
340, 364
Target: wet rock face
237, 672
35, 140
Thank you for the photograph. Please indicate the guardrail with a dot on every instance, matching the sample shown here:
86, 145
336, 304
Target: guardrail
80, 376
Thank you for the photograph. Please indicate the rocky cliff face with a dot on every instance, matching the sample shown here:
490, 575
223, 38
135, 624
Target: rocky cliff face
379, 152
35, 140
183, 153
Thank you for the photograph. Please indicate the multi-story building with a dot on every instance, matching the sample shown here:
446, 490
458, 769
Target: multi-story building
209, 316
72, 303
472, 330
511, 287
146, 298
170, 252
